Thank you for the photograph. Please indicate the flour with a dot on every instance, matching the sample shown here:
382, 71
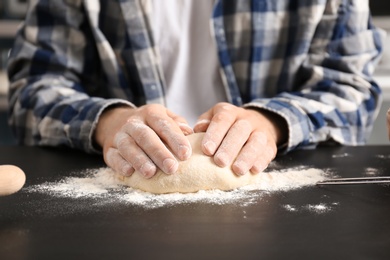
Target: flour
343, 155
371, 171
319, 208
382, 156
290, 208
316, 208
104, 186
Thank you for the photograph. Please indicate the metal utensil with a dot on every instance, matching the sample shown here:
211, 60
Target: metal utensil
357, 180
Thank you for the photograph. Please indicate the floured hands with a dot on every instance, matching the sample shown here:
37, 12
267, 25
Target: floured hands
133, 139
151, 136
248, 135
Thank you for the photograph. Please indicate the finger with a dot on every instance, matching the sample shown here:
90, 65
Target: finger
203, 121
264, 159
201, 125
135, 155
181, 122
185, 128
166, 129
258, 167
249, 154
233, 142
223, 118
148, 148
114, 160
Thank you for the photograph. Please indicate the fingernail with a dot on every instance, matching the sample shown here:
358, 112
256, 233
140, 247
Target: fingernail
186, 129
240, 168
222, 159
170, 165
125, 170
210, 147
203, 121
148, 169
260, 168
184, 152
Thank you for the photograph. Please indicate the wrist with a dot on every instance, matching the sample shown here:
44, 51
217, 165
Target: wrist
277, 125
280, 127
110, 120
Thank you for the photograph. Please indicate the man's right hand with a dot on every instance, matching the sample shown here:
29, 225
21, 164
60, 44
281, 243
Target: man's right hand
143, 139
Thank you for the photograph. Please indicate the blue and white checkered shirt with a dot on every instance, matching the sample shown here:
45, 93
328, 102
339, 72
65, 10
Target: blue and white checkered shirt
310, 61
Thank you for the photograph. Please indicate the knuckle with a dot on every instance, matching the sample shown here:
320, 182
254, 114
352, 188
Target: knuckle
251, 149
137, 161
148, 108
163, 125
121, 139
159, 155
259, 137
243, 124
151, 110
137, 130
140, 136
224, 106
221, 116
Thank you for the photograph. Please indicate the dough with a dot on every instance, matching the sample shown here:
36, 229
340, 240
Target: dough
199, 172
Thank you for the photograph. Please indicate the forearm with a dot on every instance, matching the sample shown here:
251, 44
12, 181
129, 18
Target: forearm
47, 113
322, 117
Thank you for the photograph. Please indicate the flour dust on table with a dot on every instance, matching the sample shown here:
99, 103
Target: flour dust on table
316, 208
104, 186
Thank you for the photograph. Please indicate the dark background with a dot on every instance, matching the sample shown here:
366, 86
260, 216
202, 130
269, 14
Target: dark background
380, 7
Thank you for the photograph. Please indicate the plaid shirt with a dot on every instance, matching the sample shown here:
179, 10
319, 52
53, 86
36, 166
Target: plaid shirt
310, 61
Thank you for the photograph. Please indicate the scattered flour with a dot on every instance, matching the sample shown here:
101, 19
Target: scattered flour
382, 156
317, 208
371, 171
343, 155
102, 184
289, 207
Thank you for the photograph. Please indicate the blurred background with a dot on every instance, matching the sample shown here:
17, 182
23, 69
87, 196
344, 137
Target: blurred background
12, 13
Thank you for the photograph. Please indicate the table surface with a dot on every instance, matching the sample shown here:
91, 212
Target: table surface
357, 226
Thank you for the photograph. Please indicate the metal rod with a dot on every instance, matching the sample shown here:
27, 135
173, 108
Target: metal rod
356, 180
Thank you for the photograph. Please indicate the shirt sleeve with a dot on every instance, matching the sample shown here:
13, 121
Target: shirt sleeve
340, 100
48, 101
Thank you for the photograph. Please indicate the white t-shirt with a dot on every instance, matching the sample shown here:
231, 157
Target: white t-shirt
189, 57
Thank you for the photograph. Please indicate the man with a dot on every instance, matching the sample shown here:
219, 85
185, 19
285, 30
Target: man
131, 78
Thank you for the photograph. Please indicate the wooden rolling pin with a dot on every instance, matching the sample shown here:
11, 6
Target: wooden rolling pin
12, 179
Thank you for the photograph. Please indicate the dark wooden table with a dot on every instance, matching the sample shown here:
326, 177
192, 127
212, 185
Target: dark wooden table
38, 226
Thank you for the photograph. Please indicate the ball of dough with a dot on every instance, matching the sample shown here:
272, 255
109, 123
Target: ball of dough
12, 179
199, 172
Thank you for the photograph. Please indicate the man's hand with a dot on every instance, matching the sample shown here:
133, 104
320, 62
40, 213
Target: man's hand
247, 136
142, 139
